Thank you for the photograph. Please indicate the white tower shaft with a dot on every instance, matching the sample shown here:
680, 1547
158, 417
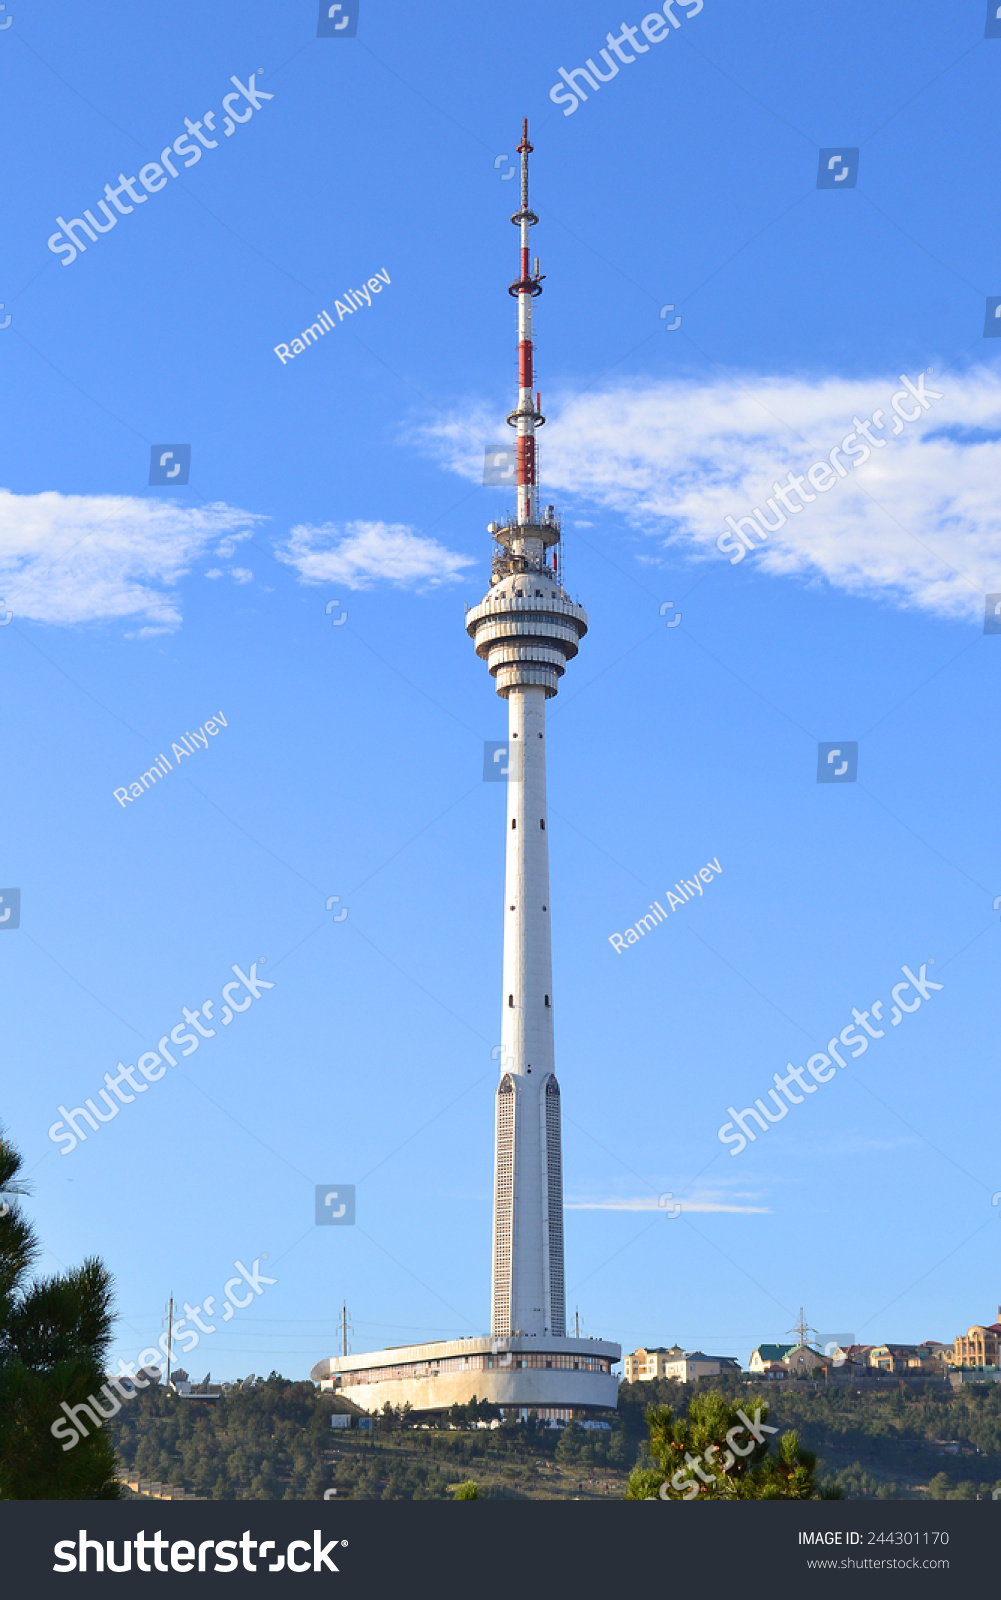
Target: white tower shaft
528, 1287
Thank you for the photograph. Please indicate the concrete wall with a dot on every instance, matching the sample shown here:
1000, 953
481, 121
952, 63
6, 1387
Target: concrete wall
518, 1387
502, 1385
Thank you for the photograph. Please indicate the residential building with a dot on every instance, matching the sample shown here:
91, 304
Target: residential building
695, 1364
927, 1359
801, 1359
653, 1363
938, 1355
766, 1353
785, 1360
979, 1347
856, 1354
850, 1361
896, 1357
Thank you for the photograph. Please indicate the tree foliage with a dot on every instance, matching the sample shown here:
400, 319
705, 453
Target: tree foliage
54, 1337
721, 1450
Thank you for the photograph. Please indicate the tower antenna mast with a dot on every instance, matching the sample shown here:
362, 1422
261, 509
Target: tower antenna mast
526, 287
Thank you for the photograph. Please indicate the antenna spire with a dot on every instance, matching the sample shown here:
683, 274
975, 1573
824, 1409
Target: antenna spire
525, 288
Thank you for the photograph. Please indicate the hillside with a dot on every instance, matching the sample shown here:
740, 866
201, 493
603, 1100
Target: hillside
273, 1440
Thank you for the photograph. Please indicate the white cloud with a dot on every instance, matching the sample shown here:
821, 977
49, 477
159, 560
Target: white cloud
226, 547
361, 553
241, 574
96, 558
919, 524
651, 1203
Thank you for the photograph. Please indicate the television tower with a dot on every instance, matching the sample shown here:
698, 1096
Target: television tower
526, 630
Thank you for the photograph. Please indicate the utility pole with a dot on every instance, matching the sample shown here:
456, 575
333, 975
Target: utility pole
802, 1329
345, 1327
170, 1333
576, 1322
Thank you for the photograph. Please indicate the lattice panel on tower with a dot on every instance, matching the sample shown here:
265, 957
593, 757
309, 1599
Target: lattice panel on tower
554, 1175
503, 1208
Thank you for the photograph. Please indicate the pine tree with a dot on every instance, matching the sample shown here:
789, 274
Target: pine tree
694, 1459
54, 1336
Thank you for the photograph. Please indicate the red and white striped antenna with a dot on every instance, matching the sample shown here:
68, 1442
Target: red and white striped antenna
528, 416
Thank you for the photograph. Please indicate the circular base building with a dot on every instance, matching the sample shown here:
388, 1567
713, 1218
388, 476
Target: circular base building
550, 1378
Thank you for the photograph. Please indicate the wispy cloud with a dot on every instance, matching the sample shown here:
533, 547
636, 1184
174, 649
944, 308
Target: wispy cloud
651, 1203
362, 553
69, 559
918, 525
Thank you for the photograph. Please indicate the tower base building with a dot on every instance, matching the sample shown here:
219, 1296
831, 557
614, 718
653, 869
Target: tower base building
554, 1379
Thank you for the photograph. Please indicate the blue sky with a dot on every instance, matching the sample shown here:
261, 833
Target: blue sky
350, 760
